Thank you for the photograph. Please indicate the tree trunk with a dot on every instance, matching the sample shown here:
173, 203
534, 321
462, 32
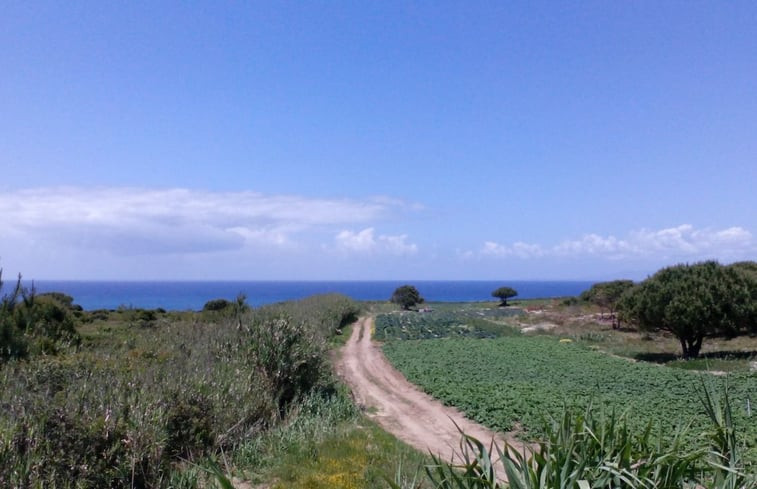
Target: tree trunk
695, 347
691, 346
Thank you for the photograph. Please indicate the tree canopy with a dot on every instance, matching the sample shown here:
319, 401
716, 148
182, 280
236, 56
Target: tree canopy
606, 295
693, 302
504, 293
406, 296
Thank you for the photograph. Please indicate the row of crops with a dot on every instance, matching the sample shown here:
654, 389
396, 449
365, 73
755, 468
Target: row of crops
465, 322
519, 380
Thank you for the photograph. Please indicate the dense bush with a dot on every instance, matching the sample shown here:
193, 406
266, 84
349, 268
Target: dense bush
31, 323
216, 305
606, 295
287, 356
189, 425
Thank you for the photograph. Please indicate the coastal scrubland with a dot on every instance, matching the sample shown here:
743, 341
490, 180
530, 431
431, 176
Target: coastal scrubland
137, 398
232, 396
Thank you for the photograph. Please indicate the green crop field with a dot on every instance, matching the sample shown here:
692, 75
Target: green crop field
442, 322
516, 381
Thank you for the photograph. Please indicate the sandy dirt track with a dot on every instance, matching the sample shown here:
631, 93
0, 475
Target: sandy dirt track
400, 407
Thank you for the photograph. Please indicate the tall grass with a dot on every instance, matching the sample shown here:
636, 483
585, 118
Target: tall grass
139, 401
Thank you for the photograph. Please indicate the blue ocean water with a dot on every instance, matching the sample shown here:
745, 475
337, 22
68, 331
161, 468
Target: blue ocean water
193, 295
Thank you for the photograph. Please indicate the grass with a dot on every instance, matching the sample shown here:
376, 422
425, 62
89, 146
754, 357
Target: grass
727, 363
358, 455
148, 394
343, 335
719, 354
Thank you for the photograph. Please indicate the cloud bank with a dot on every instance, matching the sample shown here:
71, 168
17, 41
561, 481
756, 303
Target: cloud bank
681, 242
118, 232
148, 221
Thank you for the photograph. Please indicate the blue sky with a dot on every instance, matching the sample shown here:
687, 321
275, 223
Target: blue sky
375, 140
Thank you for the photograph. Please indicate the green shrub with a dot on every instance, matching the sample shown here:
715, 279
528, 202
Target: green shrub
189, 425
51, 324
13, 344
35, 324
287, 355
216, 305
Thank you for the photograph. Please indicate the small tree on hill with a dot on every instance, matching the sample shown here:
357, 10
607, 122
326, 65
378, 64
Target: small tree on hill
606, 295
216, 305
406, 296
504, 293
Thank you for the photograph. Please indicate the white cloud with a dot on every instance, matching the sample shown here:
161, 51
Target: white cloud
519, 249
687, 240
681, 242
594, 244
397, 245
366, 241
135, 220
361, 242
493, 249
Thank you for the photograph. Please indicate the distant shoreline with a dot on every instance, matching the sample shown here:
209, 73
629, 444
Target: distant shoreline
192, 295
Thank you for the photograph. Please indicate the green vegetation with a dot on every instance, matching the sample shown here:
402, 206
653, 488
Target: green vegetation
606, 295
356, 455
693, 302
443, 322
594, 449
148, 398
216, 305
406, 296
504, 293
33, 324
513, 382
598, 420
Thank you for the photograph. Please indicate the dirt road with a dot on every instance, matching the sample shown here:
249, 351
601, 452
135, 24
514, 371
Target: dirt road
400, 407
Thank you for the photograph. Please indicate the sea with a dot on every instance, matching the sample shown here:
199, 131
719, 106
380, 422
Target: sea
192, 295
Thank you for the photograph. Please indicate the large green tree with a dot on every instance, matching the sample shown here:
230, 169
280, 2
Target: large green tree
606, 295
504, 293
406, 296
693, 302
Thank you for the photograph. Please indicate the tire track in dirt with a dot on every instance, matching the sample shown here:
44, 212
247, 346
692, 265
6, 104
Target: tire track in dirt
400, 407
